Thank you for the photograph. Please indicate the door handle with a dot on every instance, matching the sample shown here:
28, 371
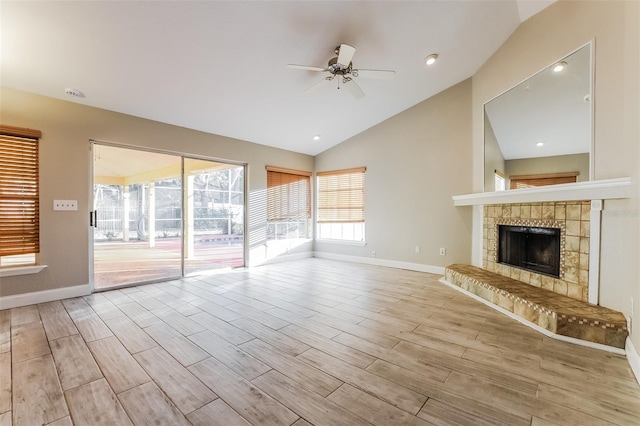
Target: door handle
93, 218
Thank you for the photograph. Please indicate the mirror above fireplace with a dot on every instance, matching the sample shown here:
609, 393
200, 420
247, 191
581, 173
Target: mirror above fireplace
540, 131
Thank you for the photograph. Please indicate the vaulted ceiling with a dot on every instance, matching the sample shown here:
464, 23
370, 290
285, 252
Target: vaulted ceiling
221, 66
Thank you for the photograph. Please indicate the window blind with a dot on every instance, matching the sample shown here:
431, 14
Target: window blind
341, 196
19, 191
288, 194
530, 181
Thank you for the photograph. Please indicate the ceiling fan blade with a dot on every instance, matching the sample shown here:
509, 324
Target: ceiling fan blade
379, 74
354, 89
346, 54
305, 67
318, 85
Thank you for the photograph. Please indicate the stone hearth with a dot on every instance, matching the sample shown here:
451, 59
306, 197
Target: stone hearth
554, 312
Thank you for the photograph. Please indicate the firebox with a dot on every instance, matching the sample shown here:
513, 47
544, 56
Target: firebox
532, 248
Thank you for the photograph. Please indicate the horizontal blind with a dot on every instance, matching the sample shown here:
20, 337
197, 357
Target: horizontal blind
19, 192
341, 196
288, 194
530, 181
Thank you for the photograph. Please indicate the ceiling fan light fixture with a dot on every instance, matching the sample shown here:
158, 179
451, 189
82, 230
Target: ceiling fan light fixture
431, 59
559, 66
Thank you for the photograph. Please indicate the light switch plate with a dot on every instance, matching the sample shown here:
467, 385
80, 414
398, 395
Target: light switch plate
65, 205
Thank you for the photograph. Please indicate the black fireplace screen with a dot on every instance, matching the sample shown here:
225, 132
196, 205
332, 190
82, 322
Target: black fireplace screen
531, 248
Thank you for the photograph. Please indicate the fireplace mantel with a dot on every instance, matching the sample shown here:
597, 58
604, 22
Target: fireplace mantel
604, 189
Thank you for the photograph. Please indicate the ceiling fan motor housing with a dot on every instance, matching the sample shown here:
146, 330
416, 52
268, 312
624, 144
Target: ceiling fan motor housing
338, 69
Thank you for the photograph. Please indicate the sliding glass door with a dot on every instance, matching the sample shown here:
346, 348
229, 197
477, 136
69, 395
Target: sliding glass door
158, 216
214, 215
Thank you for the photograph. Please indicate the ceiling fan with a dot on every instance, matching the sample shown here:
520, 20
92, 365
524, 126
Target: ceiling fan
342, 67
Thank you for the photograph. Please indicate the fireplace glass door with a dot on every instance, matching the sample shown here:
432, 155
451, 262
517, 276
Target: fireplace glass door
531, 248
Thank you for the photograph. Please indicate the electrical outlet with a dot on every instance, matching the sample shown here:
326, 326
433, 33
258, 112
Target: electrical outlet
417, 249
65, 205
443, 251
373, 253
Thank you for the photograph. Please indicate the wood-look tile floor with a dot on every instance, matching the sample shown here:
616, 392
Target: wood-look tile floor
307, 342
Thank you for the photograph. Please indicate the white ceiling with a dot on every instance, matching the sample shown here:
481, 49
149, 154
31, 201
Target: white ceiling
220, 66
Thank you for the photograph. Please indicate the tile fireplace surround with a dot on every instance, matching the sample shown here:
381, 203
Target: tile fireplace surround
573, 220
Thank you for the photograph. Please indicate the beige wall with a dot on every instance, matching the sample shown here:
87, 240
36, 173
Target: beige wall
557, 164
538, 42
65, 174
415, 161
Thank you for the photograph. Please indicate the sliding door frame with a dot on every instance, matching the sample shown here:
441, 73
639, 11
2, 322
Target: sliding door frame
183, 156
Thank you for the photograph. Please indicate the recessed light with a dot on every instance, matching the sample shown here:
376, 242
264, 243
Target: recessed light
431, 59
74, 92
540, 144
559, 66
316, 138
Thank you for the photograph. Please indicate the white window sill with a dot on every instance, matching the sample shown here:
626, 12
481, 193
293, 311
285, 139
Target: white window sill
21, 270
289, 240
343, 242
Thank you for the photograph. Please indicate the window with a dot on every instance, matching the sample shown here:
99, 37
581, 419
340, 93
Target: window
499, 181
19, 196
288, 203
341, 204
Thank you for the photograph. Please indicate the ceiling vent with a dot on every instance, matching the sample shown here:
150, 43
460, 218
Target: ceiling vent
74, 92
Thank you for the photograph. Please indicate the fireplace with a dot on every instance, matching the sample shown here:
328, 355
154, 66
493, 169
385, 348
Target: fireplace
535, 249
572, 218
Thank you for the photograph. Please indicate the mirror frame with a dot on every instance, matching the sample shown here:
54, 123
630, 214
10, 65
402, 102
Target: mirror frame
591, 45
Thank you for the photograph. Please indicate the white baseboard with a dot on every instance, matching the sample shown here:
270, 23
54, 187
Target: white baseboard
419, 267
43, 296
535, 326
634, 358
